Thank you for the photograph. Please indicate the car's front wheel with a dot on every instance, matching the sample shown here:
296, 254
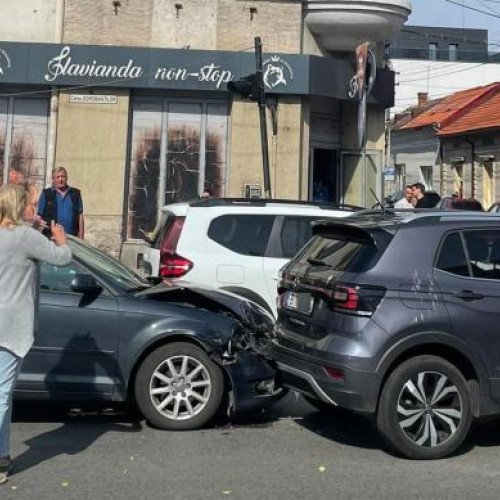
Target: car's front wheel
424, 410
179, 387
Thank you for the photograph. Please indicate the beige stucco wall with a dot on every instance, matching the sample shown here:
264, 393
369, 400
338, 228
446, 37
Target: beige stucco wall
91, 143
173, 27
245, 162
28, 20
278, 23
200, 24
97, 22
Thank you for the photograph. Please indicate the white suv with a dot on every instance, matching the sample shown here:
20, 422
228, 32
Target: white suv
237, 245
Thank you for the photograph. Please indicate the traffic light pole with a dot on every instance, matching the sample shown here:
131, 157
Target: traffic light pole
262, 116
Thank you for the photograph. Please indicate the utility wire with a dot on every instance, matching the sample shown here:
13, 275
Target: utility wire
473, 8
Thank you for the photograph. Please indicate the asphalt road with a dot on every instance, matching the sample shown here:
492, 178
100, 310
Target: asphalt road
290, 452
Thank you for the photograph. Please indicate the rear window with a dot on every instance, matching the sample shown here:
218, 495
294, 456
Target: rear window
295, 233
243, 234
341, 253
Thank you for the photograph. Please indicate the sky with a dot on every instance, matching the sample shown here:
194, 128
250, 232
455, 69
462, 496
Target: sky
443, 13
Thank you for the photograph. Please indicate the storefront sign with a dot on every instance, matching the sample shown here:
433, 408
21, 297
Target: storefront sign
92, 99
171, 69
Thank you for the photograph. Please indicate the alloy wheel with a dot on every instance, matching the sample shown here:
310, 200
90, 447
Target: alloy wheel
180, 387
429, 409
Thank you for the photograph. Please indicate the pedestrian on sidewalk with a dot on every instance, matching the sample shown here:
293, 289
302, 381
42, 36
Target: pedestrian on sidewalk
407, 200
419, 197
20, 248
63, 204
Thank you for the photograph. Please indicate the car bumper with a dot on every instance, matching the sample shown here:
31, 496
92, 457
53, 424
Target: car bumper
253, 381
306, 374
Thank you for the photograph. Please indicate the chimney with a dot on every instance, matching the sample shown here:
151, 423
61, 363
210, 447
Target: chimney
423, 97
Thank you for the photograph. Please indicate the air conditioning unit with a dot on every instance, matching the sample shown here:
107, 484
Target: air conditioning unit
252, 191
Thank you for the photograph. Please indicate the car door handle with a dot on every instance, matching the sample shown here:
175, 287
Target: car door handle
468, 295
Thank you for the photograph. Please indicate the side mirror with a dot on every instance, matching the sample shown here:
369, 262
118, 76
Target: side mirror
84, 283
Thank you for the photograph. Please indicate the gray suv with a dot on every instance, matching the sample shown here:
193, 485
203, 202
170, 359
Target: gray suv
397, 315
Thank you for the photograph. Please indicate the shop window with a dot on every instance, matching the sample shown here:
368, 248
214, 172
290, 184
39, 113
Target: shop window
23, 143
178, 149
426, 174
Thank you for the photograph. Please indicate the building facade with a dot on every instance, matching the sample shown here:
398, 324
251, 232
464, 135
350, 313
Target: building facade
131, 96
439, 61
452, 145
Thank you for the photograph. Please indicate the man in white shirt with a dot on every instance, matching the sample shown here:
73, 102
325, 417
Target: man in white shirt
406, 201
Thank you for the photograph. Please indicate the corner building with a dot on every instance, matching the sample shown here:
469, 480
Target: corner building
131, 96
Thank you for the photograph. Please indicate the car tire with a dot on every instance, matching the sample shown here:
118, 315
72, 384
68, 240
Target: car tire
424, 411
165, 389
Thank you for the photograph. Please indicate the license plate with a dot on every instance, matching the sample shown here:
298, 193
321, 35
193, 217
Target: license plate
301, 302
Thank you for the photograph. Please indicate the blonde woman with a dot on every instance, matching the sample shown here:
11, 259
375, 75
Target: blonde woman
20, 249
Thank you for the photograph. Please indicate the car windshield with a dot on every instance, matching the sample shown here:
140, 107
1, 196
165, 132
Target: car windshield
106, 267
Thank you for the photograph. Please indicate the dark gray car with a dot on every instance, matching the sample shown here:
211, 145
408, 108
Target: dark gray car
397, 315
182, 353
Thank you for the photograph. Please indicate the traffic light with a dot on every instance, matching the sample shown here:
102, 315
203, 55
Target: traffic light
247, 86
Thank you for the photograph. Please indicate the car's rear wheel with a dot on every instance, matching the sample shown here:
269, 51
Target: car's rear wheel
179, 387
424, 410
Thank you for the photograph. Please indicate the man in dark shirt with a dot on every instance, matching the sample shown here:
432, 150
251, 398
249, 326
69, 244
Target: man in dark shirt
61, 203
419, 195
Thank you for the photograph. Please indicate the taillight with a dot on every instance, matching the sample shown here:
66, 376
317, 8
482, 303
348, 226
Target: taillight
173, 265
360, 299
334, 374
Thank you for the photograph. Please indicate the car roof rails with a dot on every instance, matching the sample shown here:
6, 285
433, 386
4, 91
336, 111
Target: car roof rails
218, 202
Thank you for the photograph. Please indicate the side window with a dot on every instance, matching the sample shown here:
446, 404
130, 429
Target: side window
484, 253
57, 279
452, 258
295, 233
243, 234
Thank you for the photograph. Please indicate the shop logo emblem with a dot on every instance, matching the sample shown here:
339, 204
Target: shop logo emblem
5, 63
276, 72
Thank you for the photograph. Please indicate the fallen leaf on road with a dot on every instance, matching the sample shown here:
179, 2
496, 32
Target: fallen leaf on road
321, 468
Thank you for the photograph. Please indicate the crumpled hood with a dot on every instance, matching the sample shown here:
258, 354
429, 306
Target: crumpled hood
252, 316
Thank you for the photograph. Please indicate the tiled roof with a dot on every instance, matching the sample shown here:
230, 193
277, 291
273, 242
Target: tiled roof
451, 106
484, 115
409, 114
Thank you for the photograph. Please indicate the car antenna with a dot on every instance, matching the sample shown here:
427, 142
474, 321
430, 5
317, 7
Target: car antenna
378, 201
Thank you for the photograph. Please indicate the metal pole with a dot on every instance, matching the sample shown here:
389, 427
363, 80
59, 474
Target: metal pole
262, 116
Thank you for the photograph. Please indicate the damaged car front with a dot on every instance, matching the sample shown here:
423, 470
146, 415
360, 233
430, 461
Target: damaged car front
183, 353
230, 329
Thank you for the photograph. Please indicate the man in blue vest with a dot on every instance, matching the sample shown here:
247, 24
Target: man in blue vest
61, 203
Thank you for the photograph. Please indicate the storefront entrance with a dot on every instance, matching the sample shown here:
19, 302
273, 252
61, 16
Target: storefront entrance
324, 178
